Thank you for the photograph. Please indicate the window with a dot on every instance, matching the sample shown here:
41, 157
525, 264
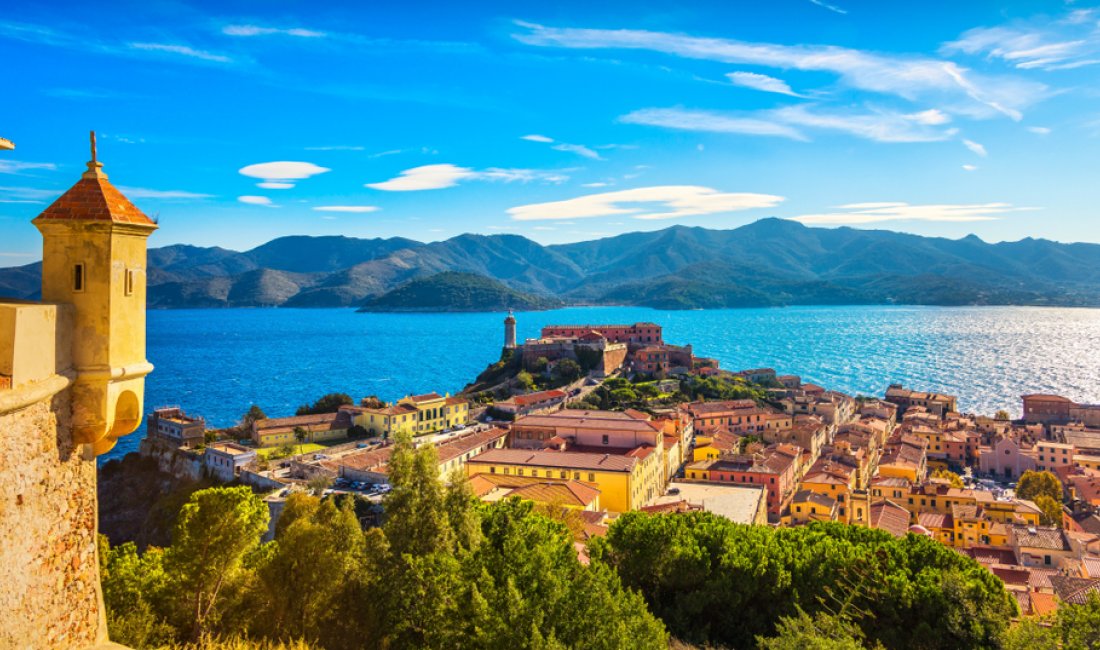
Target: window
78, 278
591, 477
128, 283
605, 439
492, 470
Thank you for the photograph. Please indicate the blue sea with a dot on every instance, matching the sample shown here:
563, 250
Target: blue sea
217, 362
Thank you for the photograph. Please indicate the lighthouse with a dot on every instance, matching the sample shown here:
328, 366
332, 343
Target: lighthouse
510, 332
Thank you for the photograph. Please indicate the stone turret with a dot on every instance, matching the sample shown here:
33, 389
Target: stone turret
510, 332
93, 257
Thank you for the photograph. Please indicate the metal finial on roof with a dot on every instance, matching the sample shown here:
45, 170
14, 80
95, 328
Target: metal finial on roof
95, 168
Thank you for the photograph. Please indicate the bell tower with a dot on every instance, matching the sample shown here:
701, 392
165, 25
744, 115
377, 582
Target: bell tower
93, 257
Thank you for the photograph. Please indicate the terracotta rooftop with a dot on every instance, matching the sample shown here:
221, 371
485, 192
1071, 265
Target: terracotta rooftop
426, 397
535, 398
93, 198
1043, 537
1075, 590
562, 459
889, 516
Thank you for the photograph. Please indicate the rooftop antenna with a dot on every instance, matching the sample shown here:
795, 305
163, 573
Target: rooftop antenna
95, 168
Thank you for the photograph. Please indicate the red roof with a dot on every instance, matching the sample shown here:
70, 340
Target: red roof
93, 198
535, 398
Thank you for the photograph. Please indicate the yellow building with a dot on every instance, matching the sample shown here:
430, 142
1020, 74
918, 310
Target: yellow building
93, 257
836, 481
416, 415
807, 506
626, 481
317, 427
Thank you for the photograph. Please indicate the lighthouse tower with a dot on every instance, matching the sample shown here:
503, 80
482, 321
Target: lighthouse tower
93, 257
510, 332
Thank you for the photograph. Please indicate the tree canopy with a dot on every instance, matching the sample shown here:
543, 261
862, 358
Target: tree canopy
1032, 484
329, 403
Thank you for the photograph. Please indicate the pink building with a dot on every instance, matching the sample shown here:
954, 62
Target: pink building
1005, 459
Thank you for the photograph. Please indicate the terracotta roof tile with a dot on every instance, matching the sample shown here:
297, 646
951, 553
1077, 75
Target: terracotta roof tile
94, 199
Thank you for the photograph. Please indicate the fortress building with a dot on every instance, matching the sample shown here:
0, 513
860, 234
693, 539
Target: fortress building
72, 371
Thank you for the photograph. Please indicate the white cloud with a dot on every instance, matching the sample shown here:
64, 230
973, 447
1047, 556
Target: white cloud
17, 166
907, 76
1040, 130
282, 175
669, 201
182, 50
789, 122
712, 121
598, 184
975, 147
347, 208
832, 8
1043, 43
255, 200
31, 193
537, 138
578, 149
931, 117
761, 82
427, 177
970, 168
435, 177
256, 30
146, 193
863, 213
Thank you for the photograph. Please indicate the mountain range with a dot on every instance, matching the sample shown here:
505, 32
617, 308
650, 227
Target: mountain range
765, 263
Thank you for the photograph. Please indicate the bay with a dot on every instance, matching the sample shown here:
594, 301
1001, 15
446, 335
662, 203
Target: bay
217, 362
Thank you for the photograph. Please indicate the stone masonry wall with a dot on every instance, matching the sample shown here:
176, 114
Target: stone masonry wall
49, 572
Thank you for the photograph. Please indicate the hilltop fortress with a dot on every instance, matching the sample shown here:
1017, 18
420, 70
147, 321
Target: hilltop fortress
72, 371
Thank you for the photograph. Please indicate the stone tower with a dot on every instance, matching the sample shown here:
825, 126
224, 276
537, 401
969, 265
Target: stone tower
510, 332
72, 371
93, 257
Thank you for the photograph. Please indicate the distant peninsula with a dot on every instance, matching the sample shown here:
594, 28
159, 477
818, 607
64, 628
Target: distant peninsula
454, 291
771, 262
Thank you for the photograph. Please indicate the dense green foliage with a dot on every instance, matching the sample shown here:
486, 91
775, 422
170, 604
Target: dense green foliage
1072, 627
1032, 484
955, 479
329, 403
451, 291
443, 572
715, 582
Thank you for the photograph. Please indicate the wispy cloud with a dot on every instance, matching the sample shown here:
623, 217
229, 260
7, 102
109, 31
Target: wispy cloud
1039, 130
19, 166
256, 200
33, 193
907, 76
792, 122
283, 174
182, 50
712, 121
579, 149
257, 30
437, 177
863, 213
347, 208
970, 168
761, 82
1044, 43
657, 202
832, 8
975, 147
146, 193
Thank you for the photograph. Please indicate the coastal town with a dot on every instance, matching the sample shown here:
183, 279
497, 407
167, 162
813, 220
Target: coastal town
599, 420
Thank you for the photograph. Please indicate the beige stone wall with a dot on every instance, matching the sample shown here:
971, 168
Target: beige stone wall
49, 572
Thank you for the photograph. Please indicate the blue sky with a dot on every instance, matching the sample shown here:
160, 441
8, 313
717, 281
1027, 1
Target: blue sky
239, 122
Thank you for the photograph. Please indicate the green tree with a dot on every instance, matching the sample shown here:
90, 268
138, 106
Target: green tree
254, 414
525, 380
1052, 510
1029, 634
133, 594
568, 370
416, 517
1002, 415
1078, 626
955, 479
539, 365
328, 403
318, 484
300, 435
216, 529
302, 573
624, 396
1032, 484
805, 632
